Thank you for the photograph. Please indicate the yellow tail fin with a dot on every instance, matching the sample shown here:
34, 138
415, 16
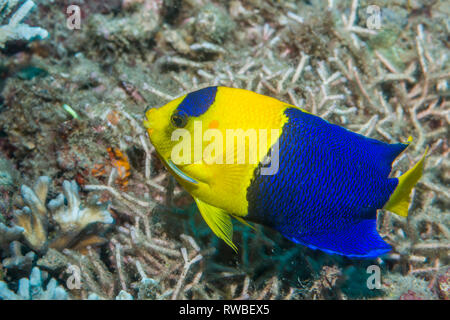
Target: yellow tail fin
399, 201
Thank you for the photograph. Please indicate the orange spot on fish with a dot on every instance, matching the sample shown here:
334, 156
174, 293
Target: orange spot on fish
214, 124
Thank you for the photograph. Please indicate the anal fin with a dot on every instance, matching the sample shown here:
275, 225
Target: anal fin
359, 240
241, 220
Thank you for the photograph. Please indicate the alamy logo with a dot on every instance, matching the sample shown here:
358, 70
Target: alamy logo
374, 17
238, 146
374, 280
74, 280
74, 17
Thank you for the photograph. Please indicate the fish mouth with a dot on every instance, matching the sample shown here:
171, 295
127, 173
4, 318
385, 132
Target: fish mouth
147, 124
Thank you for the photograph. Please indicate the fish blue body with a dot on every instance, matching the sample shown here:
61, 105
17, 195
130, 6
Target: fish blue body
330, 183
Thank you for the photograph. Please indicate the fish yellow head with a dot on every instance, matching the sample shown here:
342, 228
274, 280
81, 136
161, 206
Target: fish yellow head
176, 131
191, 136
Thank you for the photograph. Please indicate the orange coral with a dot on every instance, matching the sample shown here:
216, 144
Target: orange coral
122, 165
113, 117
98, 170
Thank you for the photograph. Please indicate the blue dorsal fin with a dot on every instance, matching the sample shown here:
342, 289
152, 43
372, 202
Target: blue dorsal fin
392, 151
384, 153
359, 240
355, 146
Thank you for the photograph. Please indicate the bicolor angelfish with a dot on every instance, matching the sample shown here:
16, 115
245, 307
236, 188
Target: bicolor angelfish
328, 184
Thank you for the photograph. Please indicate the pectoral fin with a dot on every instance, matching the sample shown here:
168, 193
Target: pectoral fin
218, 220
241, 220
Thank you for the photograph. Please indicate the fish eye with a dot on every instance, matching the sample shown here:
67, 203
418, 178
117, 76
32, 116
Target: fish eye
179, 119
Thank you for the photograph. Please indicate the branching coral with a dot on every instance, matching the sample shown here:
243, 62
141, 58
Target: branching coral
141, 254
9, 234
17, 260
33, 217
15, 29
75, 221
34, 288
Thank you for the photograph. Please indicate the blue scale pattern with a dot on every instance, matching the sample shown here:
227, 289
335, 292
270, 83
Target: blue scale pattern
330, 183
198, 102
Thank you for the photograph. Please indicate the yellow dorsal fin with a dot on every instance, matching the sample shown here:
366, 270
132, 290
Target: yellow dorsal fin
218, 220
399, 201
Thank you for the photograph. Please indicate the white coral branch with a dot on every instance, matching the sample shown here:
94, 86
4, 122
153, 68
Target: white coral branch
15, 30
73, 216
